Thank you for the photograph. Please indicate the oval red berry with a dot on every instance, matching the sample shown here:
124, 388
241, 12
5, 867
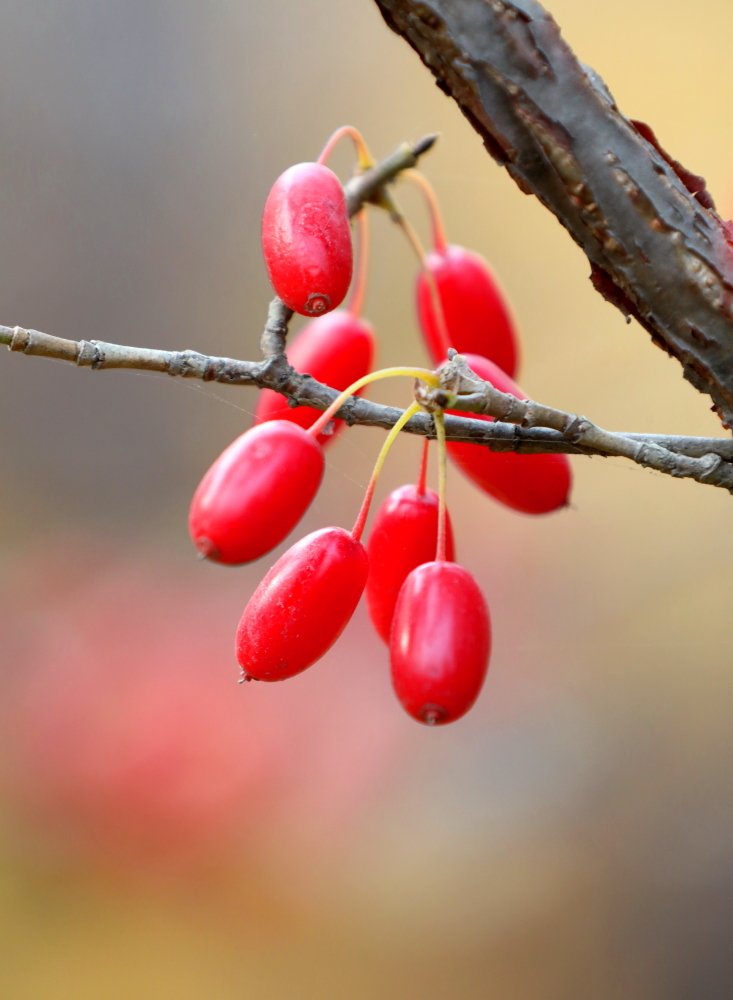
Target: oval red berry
404, 535
306, 239
336, 349
302, 606
531, 484
255, 492
476, 310
440, 643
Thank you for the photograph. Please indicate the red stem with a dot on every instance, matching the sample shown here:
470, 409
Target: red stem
365, 159
414, 241
422, 478
439, 241
361, 520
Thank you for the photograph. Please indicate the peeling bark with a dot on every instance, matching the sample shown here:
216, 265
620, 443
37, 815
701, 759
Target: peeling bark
657, 248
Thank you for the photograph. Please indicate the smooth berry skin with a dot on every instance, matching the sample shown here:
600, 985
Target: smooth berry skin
440, 643
530, 484
306, 239
302, 606
255, 492
336, 349
404, 535
477, 314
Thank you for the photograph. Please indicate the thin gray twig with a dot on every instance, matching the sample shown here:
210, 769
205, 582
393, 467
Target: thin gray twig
545, 429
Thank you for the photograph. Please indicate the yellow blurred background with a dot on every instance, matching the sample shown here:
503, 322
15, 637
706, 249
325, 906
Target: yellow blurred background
166, 833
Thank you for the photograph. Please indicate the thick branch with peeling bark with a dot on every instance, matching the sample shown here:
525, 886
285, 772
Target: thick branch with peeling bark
657, 248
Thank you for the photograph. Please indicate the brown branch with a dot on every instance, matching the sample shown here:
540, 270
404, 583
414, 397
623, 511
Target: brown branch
656, 246
706, 459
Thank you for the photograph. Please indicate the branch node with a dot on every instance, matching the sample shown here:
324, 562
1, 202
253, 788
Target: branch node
21, 339
211, 370
712, 465
89, 355
574, 428
182, 361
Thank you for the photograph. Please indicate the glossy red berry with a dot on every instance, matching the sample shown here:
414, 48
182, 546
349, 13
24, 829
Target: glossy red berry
336, 349
302, 606
306, 239
404, 535
477, 315
532, 484
255, 492
440, 643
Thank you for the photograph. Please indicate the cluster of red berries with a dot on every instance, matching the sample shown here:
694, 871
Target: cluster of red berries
428, 609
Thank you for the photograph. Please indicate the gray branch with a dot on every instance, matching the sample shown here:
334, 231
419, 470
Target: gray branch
545, 429
521, 426
657, 248
470, 393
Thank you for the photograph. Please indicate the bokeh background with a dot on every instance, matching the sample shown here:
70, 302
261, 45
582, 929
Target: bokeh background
166, 833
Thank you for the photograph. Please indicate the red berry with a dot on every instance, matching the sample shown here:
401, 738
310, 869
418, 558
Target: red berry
476, 311
440, 642
306, 239
302, 606
255, 492
404, 535
532, 484
336, 349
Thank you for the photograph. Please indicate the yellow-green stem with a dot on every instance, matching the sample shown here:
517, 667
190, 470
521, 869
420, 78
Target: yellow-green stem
442, 476
422, 373
364, 512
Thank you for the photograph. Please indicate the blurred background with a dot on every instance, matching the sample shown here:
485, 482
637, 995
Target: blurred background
166, 833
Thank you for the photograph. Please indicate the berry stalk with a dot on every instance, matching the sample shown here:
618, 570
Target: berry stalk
358, 294
362, 150
440, 242
439, 418
364, 512
424, 374
414, 241
423, 474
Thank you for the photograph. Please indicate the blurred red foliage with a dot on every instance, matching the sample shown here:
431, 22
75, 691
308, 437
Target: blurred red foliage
126, 737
